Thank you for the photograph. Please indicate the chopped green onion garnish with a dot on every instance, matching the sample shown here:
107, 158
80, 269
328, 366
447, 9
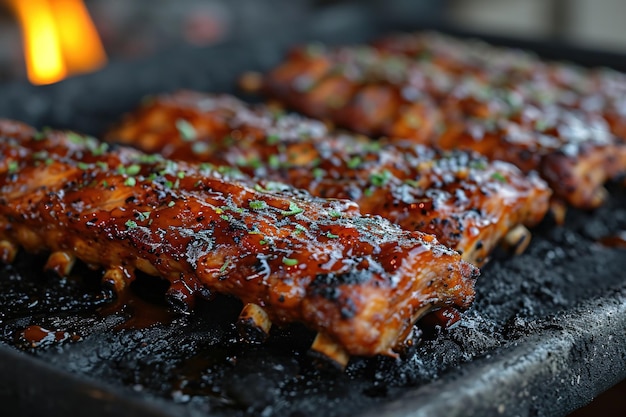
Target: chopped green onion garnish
223, 268
379, 179
102, 165
186, 130
258, 205
293, 209
273, 139
131, 224
334, 213
274, 161
13, 167
133, 169
354, 162
75, 138
499, 177
289, 261
318, 173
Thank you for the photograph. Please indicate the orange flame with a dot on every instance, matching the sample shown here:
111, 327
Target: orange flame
59, 39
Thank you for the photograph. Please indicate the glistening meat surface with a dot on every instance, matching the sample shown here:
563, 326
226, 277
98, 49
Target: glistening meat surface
361, 282
565, 122
469, 203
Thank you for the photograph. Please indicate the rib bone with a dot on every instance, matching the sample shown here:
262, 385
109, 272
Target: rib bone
253, 323
61, 263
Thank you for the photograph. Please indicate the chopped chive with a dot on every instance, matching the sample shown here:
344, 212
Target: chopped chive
83, 166
273, 139
40, 155
499, 177
262, 242
200, 148
289, 261
379, 179
332, 236
274, 161
293, 209
368, 192
149, 159
171, 204
301, 228
133, 169
372, 147
186, 130
144, 215
334, 213
225, 217
75, 138
13, 167
105, 183
180, 174
258, 205
100, 149
169, 184
49, 161
318, 173
412, 183
354, 162
131, 224
102, 165
479, 164
130, 181
223, 268
205, 166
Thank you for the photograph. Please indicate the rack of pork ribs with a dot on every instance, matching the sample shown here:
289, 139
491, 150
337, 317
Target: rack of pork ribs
354, 237
563, 121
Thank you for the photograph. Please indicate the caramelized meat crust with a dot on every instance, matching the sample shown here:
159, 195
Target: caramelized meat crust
565, 122
469, 203
360, 281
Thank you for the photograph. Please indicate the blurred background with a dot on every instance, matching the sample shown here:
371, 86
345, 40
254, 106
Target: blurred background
134, 29
44, 41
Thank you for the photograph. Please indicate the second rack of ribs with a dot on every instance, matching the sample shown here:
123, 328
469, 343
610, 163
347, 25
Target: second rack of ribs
468, 202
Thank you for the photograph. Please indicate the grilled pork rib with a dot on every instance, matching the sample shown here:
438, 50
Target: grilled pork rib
470, 204
361, 282
506, 105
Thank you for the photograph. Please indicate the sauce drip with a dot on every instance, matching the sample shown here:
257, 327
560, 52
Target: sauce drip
37, 336
440, 319
139, 313
617, 240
